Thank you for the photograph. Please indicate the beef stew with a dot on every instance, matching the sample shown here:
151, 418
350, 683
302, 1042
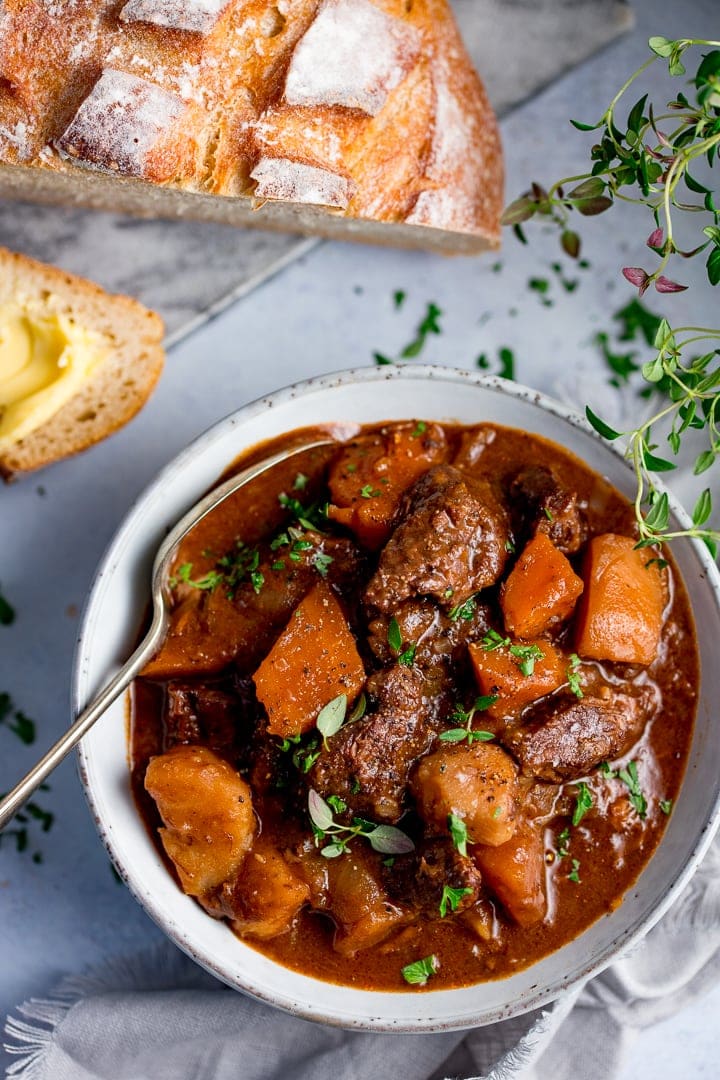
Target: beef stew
454, 696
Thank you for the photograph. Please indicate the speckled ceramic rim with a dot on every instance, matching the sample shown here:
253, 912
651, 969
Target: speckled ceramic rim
440, 1010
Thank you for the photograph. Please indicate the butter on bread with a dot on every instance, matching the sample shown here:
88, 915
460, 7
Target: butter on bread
359, 119
76, 363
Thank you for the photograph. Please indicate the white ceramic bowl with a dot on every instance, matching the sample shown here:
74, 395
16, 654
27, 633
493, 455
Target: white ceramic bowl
115, 609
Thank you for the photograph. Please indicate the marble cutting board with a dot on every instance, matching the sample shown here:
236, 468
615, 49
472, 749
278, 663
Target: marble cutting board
189, 271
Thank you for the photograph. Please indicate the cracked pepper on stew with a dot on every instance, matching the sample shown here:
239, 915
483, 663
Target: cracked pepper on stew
423, 708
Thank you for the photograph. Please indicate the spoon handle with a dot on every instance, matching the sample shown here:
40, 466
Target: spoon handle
22, 791
14, 799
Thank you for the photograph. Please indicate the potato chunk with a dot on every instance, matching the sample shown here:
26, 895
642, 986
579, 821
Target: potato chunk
621, 613
207, 811
515, 872
477, 783
267, 894
358, 902
314, 660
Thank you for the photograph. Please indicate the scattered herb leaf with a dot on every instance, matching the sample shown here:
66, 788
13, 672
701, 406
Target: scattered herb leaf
418, 973
451, 898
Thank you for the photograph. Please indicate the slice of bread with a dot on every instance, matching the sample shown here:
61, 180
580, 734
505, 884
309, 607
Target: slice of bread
115, 391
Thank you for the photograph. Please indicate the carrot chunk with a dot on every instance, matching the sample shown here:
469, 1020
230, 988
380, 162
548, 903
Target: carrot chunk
541, 590
515, 871
370, 475
314, 660
517, 674
621, 613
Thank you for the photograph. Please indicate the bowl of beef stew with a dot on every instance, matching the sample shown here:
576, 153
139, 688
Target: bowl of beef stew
427, 742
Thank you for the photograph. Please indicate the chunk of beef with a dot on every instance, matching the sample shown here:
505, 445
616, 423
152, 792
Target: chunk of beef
201, 714
440, 642
368, 762
563, 738
449, 543
419, 879
548, 507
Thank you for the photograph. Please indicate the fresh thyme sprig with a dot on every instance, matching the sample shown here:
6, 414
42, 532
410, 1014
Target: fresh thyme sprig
647, 161
386, 839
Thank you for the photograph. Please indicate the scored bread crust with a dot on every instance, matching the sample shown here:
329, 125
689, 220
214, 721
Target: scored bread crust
115, 391
361, 119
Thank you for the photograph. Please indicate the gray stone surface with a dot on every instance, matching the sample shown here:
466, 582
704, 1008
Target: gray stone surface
190, 270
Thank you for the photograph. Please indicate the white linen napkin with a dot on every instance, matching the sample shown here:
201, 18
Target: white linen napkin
159, 1017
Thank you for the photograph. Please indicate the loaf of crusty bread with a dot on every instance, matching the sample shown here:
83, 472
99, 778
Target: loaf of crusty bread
358, 119
129, 339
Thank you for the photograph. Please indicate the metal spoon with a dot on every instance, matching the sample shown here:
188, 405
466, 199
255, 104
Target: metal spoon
12, 802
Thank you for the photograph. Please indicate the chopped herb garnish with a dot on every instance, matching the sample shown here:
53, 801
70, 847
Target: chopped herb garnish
394, 636
331, 717
380, 359
322, 562
573, 675
429, 325
506, 361
497, 812
312, 517
301, 482
257, 580
492, 641
418, 973
548, 514
525, 656
629, 777
183, 576
337, 804
583, 802
16, 720
451, 898
563, 842
305, 756
7, 612
510, 547
357, 713
419, 429
666, 805
386, 839
458, 833
574, 874
464, 611
368, 492
30, 815
289, 742
399, 298
407, 657
278, 565
458, 734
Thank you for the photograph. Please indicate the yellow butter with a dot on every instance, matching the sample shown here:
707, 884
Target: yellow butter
45, 359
